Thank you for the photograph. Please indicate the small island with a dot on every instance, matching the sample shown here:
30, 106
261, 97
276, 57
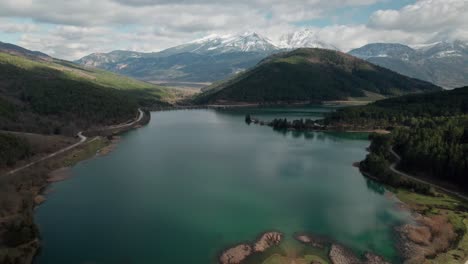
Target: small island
238, 253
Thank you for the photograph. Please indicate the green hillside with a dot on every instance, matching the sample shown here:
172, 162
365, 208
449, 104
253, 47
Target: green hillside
405, 109
54, 96
429, 132
312, 75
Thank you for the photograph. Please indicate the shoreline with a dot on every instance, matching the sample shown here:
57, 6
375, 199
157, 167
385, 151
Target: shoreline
433, 233
105, 147
290, 126
101, 142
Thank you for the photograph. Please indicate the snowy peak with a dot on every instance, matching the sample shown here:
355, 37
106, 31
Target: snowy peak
252, 42
444, 49
384, 50
304, 39
246, 42
438, 50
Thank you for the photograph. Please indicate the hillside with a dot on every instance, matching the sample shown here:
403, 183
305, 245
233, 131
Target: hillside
430, 133
312, 75
185, 66
45, 95
442, 63
405, 109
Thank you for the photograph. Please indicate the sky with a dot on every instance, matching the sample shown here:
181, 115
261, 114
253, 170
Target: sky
73, 29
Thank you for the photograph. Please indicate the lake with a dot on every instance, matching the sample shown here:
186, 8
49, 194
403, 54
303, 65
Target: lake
193, 182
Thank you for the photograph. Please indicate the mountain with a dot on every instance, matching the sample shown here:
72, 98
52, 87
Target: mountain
105, 60
44, 95
215, 44
209, 59
303, 39
312, 75
442, 63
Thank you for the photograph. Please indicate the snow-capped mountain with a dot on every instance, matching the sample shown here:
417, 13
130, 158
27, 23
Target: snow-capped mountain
303, 39
384, 50
443, 63
217, 44
443, 49
99, 60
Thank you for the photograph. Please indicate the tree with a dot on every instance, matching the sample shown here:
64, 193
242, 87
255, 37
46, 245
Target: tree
248, 119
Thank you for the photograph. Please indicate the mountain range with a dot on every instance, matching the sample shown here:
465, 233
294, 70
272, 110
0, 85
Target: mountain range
312, 75
442, 63
208, 59
214, 58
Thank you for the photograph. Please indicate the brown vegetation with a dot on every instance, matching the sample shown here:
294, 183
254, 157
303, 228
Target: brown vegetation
425, 239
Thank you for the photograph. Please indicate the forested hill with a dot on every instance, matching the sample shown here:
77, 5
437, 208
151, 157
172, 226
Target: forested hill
430, 133
405, 109
44, 95
312, 75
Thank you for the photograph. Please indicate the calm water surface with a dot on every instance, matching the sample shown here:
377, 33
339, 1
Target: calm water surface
193, 182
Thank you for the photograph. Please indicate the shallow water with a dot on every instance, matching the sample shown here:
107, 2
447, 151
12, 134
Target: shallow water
193, 182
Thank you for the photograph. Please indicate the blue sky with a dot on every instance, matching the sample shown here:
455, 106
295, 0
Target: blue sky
71, 29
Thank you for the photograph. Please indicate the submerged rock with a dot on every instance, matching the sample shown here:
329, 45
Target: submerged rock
341, 255
313, 240
374, 259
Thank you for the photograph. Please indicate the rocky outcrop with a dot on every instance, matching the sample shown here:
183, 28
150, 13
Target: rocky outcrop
374, 259
267, 240
236, 254
239, 253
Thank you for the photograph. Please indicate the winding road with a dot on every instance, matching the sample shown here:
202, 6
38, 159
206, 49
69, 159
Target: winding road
83, 139
416, 179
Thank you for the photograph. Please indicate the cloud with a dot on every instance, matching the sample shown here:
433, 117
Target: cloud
445, 17
15, 27
69, 29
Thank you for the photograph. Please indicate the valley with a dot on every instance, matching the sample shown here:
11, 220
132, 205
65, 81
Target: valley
324, 106
217, 57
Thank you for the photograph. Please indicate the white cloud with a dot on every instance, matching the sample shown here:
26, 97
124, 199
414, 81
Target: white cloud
70, 29
9, 27
444, 17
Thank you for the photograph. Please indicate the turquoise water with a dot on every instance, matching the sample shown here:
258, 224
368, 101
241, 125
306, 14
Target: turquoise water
193, 182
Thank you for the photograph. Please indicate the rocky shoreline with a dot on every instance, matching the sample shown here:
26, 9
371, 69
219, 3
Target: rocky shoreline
338, 253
